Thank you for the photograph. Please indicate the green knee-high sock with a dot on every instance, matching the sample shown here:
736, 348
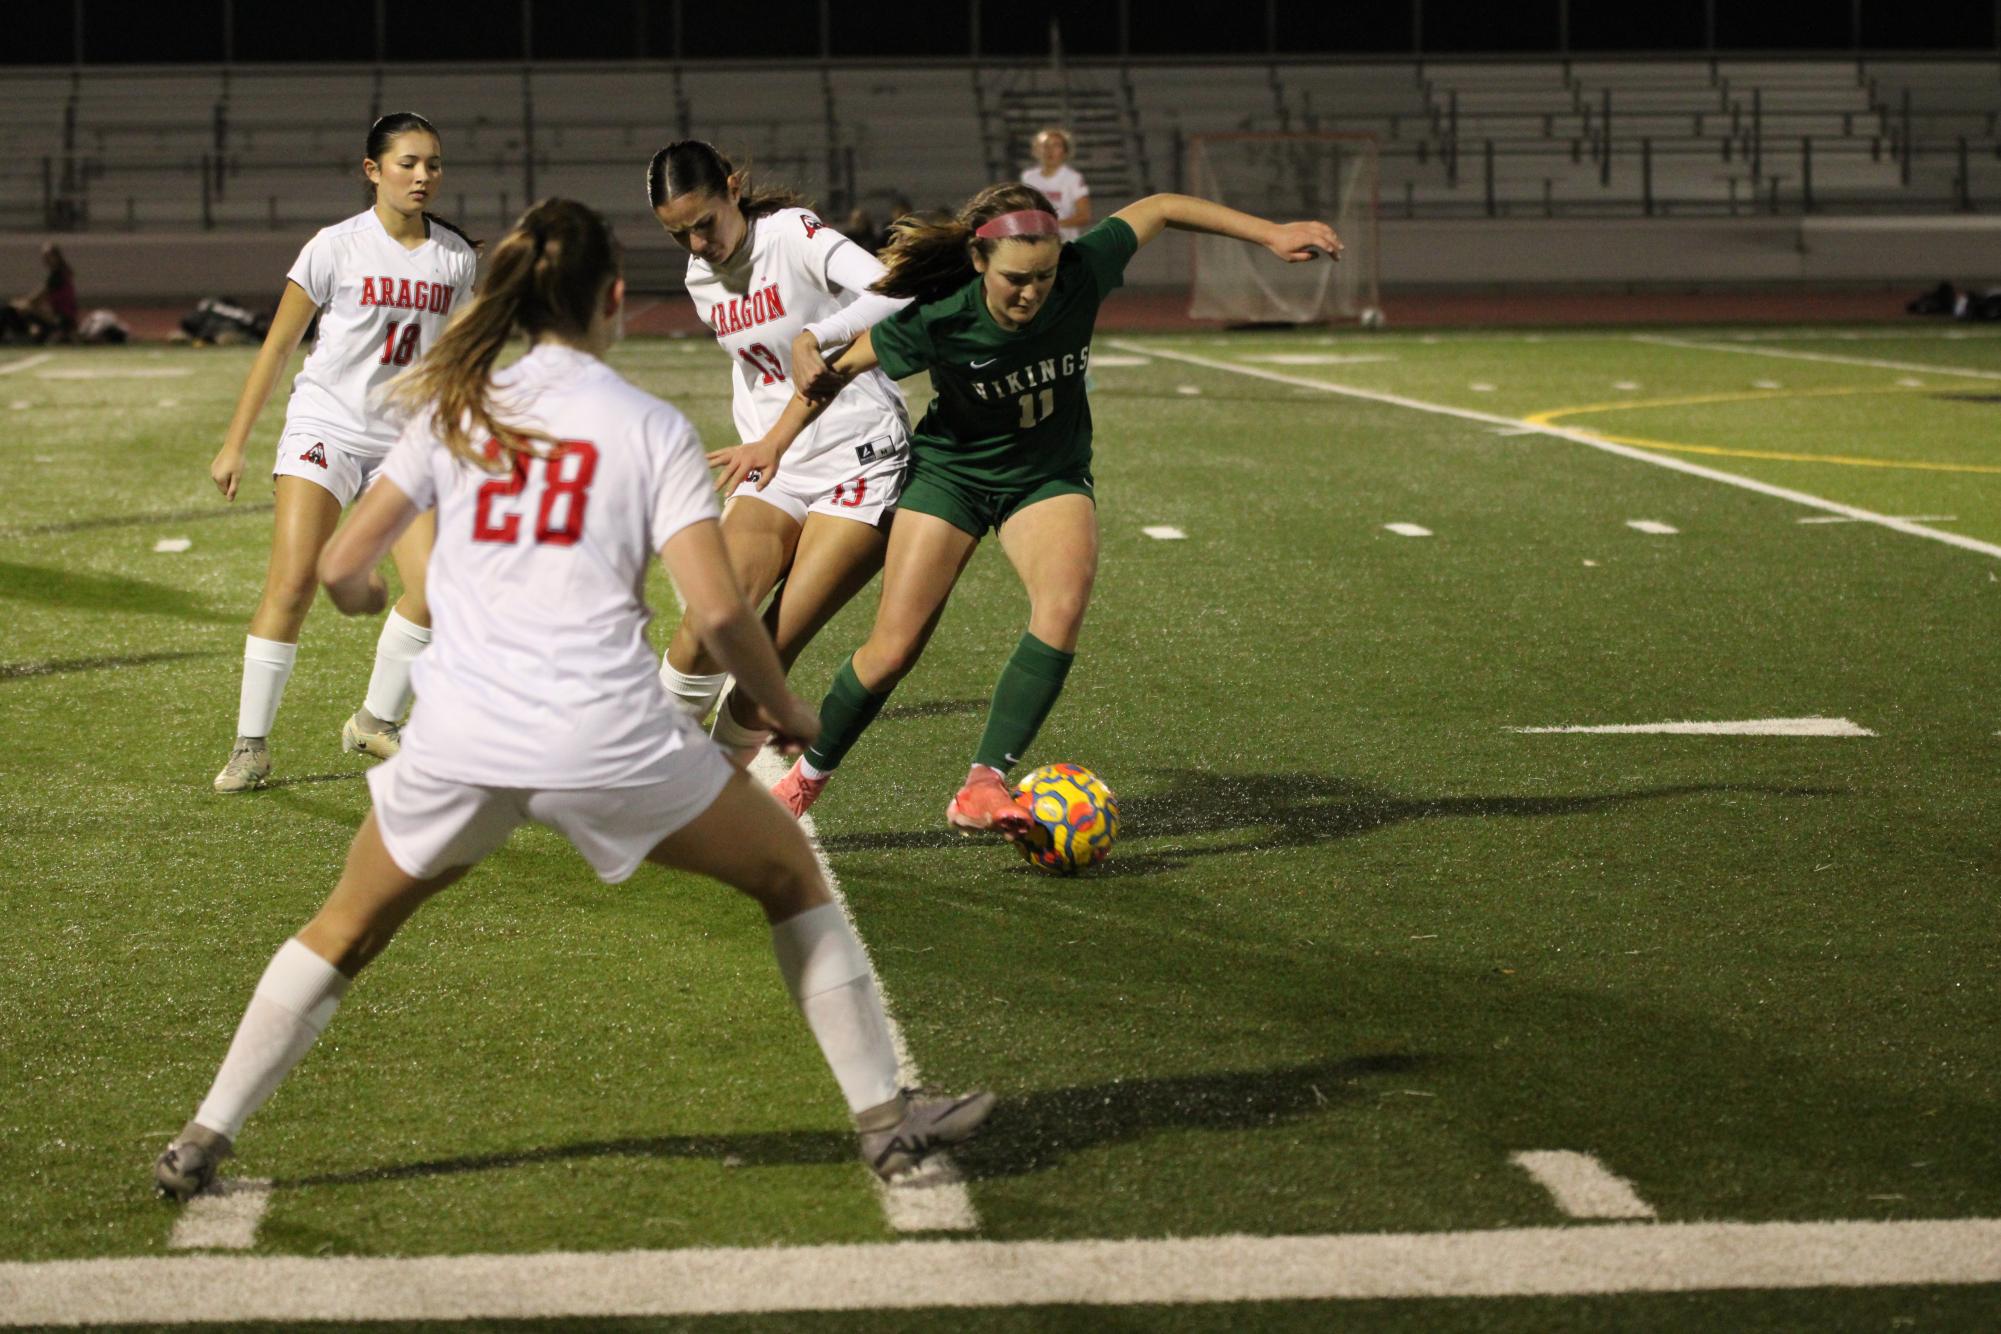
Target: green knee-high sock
845, 714
1025, 694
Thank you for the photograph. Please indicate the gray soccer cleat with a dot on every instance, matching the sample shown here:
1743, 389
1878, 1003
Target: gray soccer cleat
188, 1166
249, 765
903, 1132
382, 745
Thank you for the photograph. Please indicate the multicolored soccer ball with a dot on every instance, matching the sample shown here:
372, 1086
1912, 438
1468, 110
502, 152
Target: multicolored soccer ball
1076, 818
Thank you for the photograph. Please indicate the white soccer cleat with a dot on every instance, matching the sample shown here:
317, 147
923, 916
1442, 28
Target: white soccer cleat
382, 745
249, 765
188, 1166
903, 1132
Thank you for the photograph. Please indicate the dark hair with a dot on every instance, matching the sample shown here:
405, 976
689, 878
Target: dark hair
930, 255
383, 133
548, 274
690, 166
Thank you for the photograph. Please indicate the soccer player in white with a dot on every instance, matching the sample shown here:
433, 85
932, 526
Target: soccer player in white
762, 271
1062, 184
384, 284
554, 482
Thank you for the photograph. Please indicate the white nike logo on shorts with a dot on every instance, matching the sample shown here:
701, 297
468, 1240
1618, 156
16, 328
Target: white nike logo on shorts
988, 362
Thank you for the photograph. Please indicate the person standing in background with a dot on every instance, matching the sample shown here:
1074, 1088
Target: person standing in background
1062, 184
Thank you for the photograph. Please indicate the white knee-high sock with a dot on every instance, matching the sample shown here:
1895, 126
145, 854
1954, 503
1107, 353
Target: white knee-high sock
697, 694
401, 642
829, 977
739, 742
267, 666
294, 1001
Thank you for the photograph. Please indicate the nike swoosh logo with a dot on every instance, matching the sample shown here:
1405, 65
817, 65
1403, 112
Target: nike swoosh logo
977, 365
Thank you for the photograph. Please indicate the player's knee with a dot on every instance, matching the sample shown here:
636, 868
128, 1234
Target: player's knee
791, 883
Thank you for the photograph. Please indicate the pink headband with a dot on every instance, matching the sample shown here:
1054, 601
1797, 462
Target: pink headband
1026, 222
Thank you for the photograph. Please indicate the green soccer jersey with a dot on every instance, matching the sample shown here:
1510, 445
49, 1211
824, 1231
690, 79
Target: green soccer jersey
1010, 409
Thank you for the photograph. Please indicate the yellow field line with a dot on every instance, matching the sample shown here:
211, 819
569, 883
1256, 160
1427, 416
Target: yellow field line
1696, 400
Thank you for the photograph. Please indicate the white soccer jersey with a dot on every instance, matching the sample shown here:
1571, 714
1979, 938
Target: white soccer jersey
381, 307
777, 283
1064, 187
539, 674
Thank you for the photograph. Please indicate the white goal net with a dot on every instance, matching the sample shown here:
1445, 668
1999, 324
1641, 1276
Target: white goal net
1287, 178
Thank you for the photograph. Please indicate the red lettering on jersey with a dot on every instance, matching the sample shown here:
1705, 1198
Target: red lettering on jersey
777, 306
423, 293
368, 291
403, 294
385, 291
813, 225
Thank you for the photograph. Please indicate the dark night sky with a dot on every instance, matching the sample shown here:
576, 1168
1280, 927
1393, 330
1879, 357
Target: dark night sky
166, 31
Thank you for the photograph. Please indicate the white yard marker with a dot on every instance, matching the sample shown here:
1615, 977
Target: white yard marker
123, 373
1661, 340
222, 1218
1408, 530
168, 403
172, 545
1164, 532
1911, 382
1748, 727
1581, 1185
1316, 359
1626, 384
27, 363
1764, 384
20, 405
1581, 437
1116, 360
1188, 390
1654, 526
933, 1199
913, 1275
1481, 387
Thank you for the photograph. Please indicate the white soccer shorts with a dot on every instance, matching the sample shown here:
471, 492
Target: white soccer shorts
431, 825
849, 482
342, 471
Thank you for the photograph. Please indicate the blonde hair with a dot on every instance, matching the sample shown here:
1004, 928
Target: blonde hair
930, 255
548, 275
1057, 132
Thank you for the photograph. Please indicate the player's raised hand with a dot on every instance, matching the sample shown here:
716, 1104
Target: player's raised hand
812, 378
227, 471
753, 461
1298, 242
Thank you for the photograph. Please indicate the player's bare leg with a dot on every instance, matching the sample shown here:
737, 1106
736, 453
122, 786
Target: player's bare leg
1053, 545
760, 539
305, 517
834, 560
376, 728
294, 1002
925, 557
746, 842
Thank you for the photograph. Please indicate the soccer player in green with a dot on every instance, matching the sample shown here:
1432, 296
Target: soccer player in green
1002, 317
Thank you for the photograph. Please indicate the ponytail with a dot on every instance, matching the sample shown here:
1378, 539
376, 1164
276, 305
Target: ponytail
930, 255
548, 275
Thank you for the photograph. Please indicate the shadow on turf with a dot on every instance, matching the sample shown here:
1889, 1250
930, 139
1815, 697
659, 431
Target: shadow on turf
73, 590
13, 671
1029, 1132
1292, 811
136, 520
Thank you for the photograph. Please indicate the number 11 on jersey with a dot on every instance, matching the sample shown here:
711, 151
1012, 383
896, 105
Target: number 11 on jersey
1029, 404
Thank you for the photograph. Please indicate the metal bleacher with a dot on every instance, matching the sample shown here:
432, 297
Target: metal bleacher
278, 147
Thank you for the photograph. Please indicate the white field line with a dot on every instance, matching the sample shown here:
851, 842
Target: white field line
1793, 354
1582, 1186
1317, 358
27, 363
1586, 438
1653, 526
1408, 529
1838, 727
1911, 518
1115, 361
223, 1218
934, 1198
1518, 1262
134, 373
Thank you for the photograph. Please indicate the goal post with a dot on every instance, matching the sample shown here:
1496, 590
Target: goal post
1287, 178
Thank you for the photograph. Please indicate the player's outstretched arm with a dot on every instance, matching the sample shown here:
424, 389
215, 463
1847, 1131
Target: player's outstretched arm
288, 326
349, 563
696, 558
1294, 242
761, 457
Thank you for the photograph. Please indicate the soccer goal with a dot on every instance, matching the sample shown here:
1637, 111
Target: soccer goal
1288, 178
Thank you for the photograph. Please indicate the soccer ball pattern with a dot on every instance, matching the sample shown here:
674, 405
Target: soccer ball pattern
1076, 818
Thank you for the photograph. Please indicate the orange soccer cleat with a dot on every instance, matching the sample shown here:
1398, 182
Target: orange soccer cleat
986, 804
796, 792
